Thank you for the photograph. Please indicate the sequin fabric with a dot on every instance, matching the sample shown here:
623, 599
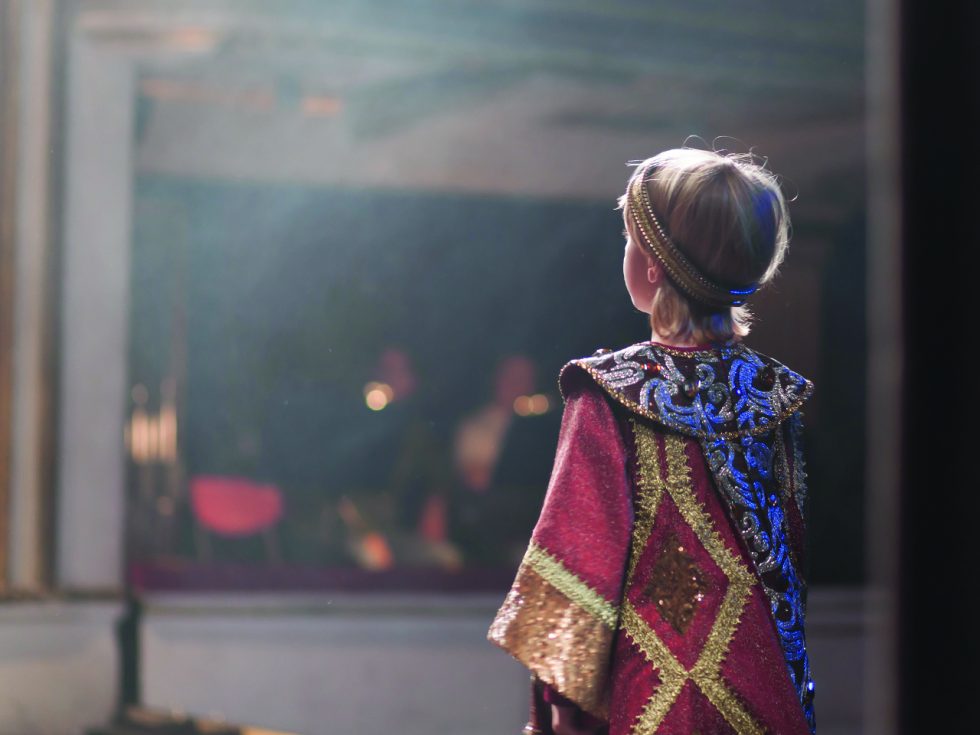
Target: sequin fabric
795, 423
554, 624
676, 584
733, 400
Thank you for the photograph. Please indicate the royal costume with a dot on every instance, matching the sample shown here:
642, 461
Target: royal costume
662, 590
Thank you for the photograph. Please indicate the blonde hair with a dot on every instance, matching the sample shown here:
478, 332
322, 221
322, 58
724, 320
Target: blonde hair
727, 214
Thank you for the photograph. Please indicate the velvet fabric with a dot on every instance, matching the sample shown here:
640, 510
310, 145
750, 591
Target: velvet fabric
628, 504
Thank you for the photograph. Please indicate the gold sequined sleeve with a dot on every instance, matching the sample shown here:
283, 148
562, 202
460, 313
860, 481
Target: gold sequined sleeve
561, 613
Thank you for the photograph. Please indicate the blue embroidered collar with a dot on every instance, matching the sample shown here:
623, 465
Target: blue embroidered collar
726, 392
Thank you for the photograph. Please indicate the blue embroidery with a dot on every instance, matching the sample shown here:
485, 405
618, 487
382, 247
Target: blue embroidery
717, 401
743, 471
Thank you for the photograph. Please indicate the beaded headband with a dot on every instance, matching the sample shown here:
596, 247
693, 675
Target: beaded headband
681, 271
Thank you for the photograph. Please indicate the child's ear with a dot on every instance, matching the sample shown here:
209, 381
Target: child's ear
654, 273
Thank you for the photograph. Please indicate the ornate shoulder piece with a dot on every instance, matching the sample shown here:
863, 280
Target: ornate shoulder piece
727, 392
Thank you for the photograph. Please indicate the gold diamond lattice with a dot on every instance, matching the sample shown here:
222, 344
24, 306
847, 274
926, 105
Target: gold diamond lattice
706, 672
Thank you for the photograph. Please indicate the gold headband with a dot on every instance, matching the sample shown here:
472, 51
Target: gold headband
681, 271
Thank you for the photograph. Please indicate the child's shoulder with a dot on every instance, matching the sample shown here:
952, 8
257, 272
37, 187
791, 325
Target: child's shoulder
729, 390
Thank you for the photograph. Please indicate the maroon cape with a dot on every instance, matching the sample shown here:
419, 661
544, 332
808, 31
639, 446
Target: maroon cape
662, 591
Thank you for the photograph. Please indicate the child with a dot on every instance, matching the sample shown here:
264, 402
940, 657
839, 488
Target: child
662, 590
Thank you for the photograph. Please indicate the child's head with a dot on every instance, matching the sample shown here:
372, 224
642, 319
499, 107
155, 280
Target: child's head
712, 228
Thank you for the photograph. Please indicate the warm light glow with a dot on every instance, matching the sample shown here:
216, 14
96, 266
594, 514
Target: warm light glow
376, 400
375, 552
152, 437
531, 405
192, 39
378, 395
321, 105
139, 443
168, 433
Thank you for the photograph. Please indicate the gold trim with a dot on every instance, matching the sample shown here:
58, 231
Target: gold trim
650, 491
672, 673
710, 352
566, 582
706, 672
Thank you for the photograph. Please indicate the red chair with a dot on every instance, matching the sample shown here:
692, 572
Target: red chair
235, 507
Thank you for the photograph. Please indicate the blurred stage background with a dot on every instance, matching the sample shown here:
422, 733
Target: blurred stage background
286, 288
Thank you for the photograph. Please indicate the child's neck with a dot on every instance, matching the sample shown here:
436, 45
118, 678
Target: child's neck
677, 341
